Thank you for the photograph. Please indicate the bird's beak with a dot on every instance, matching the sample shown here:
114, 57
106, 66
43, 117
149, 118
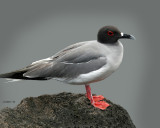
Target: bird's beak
127, 36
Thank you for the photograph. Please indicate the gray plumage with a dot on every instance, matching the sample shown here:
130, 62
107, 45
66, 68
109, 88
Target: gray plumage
80, 63
68, 63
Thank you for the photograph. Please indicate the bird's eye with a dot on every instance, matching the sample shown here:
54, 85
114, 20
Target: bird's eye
110, 33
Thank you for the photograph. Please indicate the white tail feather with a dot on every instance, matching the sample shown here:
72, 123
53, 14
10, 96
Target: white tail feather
12, 80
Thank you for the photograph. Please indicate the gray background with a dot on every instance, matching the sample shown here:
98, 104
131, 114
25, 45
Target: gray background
34, 29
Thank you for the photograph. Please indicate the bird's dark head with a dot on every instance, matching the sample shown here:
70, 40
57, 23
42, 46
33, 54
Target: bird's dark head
111, 34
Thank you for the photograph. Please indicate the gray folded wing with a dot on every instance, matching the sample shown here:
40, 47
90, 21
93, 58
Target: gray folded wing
68, 64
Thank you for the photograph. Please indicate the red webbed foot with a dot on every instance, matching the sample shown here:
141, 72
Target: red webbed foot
96, 101
101, 105
96, 97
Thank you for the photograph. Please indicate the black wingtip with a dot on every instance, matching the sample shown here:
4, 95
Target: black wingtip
14, 75
19, 75
6, 75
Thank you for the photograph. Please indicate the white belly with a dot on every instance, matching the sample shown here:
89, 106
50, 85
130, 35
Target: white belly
114, 58
94, 76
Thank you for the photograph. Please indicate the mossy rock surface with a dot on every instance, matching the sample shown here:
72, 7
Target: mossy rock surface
64, 110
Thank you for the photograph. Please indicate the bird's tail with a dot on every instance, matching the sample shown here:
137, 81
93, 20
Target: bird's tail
35, 71
19, 75
14, 75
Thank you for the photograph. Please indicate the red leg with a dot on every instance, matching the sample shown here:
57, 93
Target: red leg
96, 101
89, 94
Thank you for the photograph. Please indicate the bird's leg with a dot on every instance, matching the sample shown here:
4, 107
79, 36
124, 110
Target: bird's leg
88, 93
96, 101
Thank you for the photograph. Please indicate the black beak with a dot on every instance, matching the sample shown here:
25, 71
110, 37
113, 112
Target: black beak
127, 36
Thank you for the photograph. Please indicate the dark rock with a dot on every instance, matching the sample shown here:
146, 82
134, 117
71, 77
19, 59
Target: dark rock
64, 110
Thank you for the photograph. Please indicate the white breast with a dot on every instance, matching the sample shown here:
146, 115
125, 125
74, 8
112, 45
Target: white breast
114, 55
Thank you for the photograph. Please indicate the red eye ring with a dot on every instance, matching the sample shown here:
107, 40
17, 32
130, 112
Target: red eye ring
110, 33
